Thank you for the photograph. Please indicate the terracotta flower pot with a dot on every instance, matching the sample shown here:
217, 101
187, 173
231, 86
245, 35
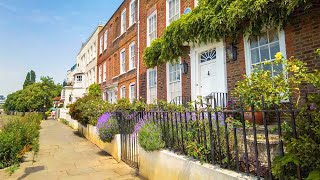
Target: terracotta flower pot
257, 115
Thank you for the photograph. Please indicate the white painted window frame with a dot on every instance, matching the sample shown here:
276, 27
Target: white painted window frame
132, 55
132, 12
169, 98
123, 21
104, 71
100, 74
105, 40
148, 29
101, 45
282, 45
131, 98
167, 12
123, 92
123, 61
148, 85
196, 3
79, 78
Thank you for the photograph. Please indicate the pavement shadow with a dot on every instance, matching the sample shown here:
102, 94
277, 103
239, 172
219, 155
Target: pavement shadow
77, 133
103, 153
30, 170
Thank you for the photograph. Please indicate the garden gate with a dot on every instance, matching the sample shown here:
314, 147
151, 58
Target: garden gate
129, 140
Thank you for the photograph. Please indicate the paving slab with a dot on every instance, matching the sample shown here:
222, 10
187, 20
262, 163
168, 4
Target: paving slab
65, 155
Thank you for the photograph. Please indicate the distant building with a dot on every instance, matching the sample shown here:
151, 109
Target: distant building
2, 99
82, 74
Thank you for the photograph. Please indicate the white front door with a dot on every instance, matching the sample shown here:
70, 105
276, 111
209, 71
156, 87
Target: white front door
208, 70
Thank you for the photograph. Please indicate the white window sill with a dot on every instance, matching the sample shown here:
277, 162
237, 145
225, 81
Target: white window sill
131, 25
131, 69
122, 73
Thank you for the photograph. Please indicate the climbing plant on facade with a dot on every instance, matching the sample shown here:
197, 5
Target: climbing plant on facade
212, 20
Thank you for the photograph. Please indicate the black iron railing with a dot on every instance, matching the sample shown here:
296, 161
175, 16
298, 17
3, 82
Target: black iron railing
222, 137
181, 100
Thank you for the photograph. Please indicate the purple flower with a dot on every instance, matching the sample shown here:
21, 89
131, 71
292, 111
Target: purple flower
313, 107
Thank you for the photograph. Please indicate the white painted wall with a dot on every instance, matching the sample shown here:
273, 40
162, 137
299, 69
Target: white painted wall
87, 59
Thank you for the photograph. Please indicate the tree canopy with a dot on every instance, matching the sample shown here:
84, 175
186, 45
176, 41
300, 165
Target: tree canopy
94, 90
34, 96
30, 79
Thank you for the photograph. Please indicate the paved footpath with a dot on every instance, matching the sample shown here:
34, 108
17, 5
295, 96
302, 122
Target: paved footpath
64, 155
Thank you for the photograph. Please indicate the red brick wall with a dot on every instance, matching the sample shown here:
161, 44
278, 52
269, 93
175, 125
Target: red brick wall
302, 37
146, 9
117, 42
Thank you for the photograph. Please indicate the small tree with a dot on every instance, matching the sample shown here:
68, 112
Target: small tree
94, 90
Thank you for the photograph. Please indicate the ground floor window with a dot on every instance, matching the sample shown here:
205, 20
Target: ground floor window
112, 96
123, 92
262, 49
152, 85
174, 81
132, 92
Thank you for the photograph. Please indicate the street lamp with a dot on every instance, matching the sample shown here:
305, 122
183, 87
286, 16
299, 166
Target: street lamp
44, 108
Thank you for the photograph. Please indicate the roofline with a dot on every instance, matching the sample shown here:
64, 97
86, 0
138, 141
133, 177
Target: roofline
113, 14
86, 42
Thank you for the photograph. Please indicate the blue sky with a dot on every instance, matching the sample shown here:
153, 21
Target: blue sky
45, 36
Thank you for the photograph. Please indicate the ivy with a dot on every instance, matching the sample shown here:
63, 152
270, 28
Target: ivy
212, 20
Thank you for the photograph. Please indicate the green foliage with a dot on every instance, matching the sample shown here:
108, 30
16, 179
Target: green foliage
213, 20
12, 169
33, 97
18, 136
64, 121
94, 90
27, 81
275, 88
30, 79
305, 149
150, 137
302, 147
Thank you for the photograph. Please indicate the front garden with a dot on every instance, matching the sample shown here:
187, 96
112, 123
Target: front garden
283, 144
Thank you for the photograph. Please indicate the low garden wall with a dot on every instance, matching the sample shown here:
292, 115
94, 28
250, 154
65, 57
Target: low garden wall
113, 148
158, 165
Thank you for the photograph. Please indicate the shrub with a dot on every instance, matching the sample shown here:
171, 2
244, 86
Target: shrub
150, 137
107, 127
18, 136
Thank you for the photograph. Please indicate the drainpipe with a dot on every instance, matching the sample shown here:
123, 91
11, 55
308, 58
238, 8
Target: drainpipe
138, 65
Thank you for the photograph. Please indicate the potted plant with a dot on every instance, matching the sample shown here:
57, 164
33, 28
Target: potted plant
273, 87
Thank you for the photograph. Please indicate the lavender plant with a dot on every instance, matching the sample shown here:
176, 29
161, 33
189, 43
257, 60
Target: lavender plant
107, 127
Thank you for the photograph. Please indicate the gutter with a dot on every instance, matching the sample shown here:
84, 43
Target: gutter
138, 65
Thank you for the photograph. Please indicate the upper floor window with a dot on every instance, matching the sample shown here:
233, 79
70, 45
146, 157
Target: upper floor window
131, 55
123, 92
104, 71
152, 27
105, 40
100, 74
79, 78
123, 61
263, 48
173, 10
123, 21
132, 12
101, 45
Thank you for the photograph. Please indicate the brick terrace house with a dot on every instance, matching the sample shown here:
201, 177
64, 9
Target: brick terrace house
165, 82
117, 54
212, 69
